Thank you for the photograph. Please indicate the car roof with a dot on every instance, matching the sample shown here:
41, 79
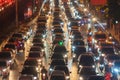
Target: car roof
29, 70
96, 77
3, 63
31, 62
5, 55
62, 68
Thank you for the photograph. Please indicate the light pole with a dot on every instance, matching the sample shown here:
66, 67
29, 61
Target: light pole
16, 9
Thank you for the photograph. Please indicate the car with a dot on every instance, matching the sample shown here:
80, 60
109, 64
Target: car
96, 77
7, 56
4, 68
30, 71
31, 62
41, 30
56, 56
60, 49
105, 44
78, 51
56, 27
42, 19
87, 63
41, 26
57, 31
75, 32
11, 46
78, 42
19, 36
34, 54
115, 69
37, 40
57, 74
110, 59
27, 77
56, 23
86, 72
39, 45
99, 37
65, 69
55, 62
39, 34
107, 50
77, 37
58, 19
37, 49
58, 37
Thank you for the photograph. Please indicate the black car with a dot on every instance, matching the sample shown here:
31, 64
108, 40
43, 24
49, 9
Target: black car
78, 42
31, 62
55, 62
65, 69
95, 77
83, 62
86, 72
30, 71
78, 51
56, 56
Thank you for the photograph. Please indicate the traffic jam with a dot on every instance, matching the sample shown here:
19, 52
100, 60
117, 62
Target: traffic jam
63, 43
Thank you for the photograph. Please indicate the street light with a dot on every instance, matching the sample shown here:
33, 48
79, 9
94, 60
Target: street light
16, 8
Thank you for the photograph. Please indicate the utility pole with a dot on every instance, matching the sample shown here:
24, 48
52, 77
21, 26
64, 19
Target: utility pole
16, 9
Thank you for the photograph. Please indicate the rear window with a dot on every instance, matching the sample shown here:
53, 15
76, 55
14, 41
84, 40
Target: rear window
17, 35
100, 36
25, 78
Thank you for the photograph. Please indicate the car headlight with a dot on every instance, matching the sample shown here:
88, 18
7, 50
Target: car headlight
37, 68
97, 58
4, 70
10, 61
35, 78
93, 66
116, 69
61, 23
51, 69
73, 47
43, 40
74, 55
69, 28
39, 60
103, 55
67, 77
28, 33
110, 63
96, 46
80, 78
95, 41
65, 56
43, 36
43, 50
72, 36
101, 65
80, 66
